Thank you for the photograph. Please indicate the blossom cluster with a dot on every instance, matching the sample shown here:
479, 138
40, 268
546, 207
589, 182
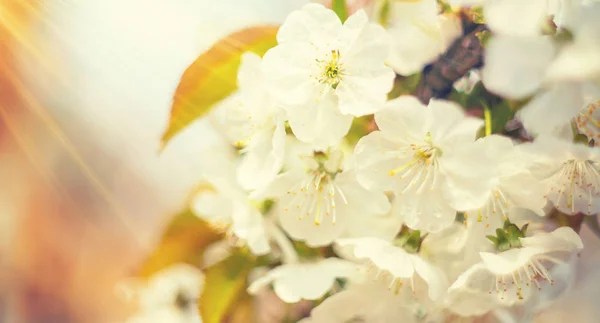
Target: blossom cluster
386, 209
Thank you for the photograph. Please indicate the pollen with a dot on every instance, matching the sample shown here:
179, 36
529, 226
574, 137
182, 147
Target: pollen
527, 276
332, 70
419, 167
575, 187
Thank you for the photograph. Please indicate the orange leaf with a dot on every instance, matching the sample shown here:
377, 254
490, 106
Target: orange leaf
212, 77
184, 240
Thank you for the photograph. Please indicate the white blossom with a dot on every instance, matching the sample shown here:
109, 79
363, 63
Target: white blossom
319, 201
400, 270
513, 185
426, 156
571, 173
364, 302
170, 295
226, 206
324, 72
512, 276
251, 120
296, 281
563, 77
418, 34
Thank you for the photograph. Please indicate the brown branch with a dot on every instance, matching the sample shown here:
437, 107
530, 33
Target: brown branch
463, 55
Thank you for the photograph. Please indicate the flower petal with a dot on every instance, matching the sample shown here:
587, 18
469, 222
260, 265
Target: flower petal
312, 21
515, 66
320, 122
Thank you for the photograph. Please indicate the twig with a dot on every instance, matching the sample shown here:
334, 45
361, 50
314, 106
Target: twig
463, 55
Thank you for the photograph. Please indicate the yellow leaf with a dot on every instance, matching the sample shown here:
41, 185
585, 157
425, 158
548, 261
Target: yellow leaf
183, 241
212, 76
225, 286
243, 310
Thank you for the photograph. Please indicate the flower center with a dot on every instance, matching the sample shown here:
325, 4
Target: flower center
420, 170
576, 186
315, 197
332, 70
394, 283
496, 205
525, 276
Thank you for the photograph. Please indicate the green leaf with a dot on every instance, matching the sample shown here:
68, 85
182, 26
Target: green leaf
476, 14
404, 85
225, 285
484, 37
493, 240
384, 13
213, 76
340, 9
524, 229
184, 240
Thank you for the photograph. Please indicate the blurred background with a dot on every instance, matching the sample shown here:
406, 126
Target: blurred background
85, 93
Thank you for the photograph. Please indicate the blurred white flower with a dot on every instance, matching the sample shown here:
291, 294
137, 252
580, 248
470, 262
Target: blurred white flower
296, 281
366, 302
571, 173
512, 276
226, 206
397, 268
516, 17
513, 186
563, 77
252, 120
318, 201
323, 72
427, 157
418, 34
170, 295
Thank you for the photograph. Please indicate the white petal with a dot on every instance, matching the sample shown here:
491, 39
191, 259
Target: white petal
248, 225
249, 73
506, 262
263, 158
287, 69
429, 212
366, 79
364, 202
309, 23
468, 295
212, 207
364, 94
515, 67
450, 125
561, 239
525, 191
469, 177
404, 115
311, 281
418, 43
576, 62
374, 161
369, 43
435, 278
515, 17
552, 109
383, 255
367, 302
320, 122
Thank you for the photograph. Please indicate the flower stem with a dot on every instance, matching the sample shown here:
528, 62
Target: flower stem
488, 120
